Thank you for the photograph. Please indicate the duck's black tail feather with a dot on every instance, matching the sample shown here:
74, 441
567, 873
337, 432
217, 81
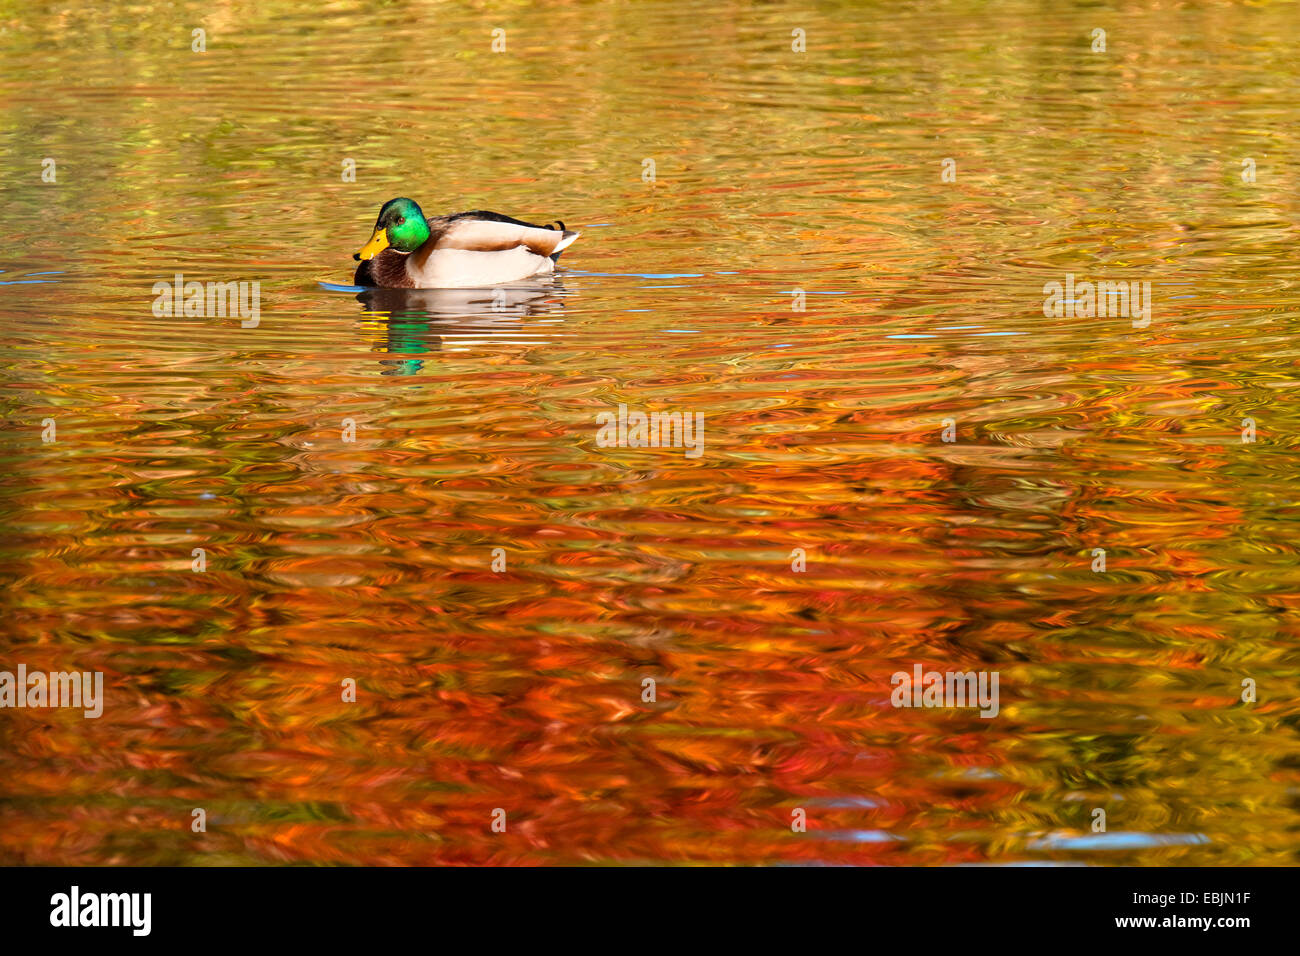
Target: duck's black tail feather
559, 224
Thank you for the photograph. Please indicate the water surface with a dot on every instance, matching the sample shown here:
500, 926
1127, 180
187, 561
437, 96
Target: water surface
475, 429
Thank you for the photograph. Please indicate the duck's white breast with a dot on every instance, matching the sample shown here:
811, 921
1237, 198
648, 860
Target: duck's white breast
464, 268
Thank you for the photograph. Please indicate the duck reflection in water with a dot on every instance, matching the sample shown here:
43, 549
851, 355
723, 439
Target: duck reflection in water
407, 322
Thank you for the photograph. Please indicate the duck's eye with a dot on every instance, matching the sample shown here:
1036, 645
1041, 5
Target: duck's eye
401, 220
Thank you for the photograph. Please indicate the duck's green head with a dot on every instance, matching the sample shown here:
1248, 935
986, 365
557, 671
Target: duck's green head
400, 226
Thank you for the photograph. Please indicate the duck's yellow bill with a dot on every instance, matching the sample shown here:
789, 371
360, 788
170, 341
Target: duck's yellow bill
377, 244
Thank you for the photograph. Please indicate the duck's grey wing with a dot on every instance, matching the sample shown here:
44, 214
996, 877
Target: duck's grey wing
482, 231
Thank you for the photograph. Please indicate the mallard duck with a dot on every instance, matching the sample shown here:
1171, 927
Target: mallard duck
408, 251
